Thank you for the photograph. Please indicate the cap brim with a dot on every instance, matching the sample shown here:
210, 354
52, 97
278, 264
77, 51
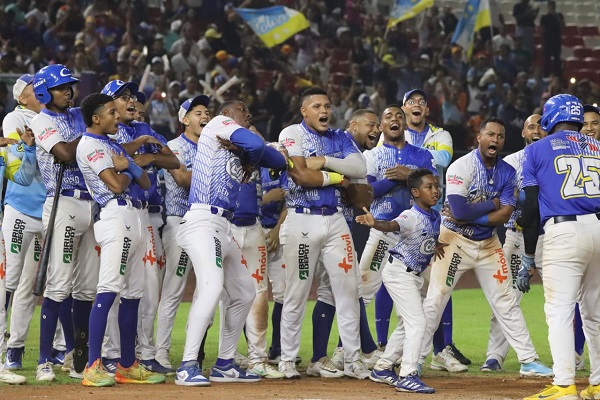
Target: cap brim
132, 86
200, 100
591, 108
414, 91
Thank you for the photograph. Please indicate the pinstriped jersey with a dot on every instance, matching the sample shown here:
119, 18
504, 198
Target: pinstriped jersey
566, 168
177, 197
216, 172
51, 128
419, 231
468, 177
271, 179
391, 204
128, 133
94, 155
300, 141
516, 161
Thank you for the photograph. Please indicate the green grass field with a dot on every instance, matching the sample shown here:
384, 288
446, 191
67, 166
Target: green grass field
471, 325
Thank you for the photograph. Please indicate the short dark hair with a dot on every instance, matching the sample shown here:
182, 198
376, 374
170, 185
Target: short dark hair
415, 178
91, 104
360, 113
227, 105
312, 91
491, 120
394, 105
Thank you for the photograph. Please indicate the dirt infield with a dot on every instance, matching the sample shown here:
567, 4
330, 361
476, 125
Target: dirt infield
449, 387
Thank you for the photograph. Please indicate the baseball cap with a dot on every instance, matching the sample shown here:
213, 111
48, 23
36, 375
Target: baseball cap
141, 97
22, 82
341, 30
212, 33
363, 100
408, 94
591, 108
157, 59
189, 104
222, 55
114, 88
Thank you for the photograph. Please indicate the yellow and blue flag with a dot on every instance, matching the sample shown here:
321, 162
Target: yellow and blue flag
476, 16
274, 25
407, 9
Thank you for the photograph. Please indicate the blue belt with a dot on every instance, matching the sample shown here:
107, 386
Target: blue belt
568, 218
239, 221
222, 212
78, 194
408, 269
134, 203
317, 210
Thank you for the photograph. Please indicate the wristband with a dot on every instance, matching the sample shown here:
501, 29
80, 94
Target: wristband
483, 220
128, 174
135, 170
331, 178
290, 163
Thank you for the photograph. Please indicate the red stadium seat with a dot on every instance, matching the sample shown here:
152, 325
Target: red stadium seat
570, 30
509, 29
571, 65
585, 73
582, 52
590, 63
572, 41
340, 66
589, 30
596, 52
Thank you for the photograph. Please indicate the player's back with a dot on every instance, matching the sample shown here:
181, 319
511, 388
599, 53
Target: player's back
176, 196
565, 166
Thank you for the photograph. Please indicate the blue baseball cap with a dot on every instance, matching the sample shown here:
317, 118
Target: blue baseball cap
114, 88
591, 108
141, 97
22, 82
189, 104
414, 91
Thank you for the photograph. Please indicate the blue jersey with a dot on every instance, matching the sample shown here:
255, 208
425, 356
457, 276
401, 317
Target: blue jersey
51, 128
128, 133
468, 177
216, 172
419, 231
389, 205
271, 179
300, 141
565, 166
177, 197
516, 161
249, 198
94, 155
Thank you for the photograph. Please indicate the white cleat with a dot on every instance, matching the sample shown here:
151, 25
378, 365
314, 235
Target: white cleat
44, 372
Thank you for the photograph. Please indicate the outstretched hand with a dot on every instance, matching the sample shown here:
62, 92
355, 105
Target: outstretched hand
366, 219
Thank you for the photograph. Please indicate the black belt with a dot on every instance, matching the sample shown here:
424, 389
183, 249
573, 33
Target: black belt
134, 203
513, 229
317, 210
152, 209
222, 212
78, 194
270, 226
239, 221
569, 218
408, 269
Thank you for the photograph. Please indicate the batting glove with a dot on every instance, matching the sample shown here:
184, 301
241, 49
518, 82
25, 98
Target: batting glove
523, 276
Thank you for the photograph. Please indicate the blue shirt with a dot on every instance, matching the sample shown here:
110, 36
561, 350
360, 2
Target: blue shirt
271, 179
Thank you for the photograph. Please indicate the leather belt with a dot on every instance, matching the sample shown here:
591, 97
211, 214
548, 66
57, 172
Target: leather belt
133, 203
77, 194
239, 221
569, 218
408, 269
317, 210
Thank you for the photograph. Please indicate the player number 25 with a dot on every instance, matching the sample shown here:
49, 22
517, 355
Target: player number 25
582, 176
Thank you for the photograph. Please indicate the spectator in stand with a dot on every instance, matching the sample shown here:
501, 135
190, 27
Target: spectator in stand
474, 75
155, 78
513, 112
184, 61
378, 99
501, 38
338, 110
503, 67
454, 120
525, 16
449, 21
188, 36
192, 88
454, 64
158, 113
474, 124
552, 25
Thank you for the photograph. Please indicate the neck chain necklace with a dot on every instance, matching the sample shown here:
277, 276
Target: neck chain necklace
491, 178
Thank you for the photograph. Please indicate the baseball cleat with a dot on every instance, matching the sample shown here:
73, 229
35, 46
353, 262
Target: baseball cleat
491, 365
579, 362
535, 368
7, 376
137, 373
14, 358
445, 361
44, 372
458, 355
189, 374
412, 384
338, 358
357, 370
232, 373
552, 392
324, 368
265, 370
274, 360
591, 392
67, 362
288, 368
164, 361
96, 375
58, 358
387, 376
74, 374
110, 365
369, 360
155, 366
240, 360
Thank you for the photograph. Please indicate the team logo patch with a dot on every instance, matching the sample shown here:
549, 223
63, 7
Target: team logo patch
234, 168
218, 253
288, 142
303, 266
17, 236
182, 264
95, 155
124, 255
502, 273
46, 133
455, 180
427, 246
68, 245
452, 268
583, 142
380, 253
558, 144
347, 261
227, 122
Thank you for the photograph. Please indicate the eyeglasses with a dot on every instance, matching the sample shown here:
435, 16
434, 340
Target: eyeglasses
128, 97
412, 102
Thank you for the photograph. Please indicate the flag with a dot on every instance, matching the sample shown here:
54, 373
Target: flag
407, 9
476, 16
274, 25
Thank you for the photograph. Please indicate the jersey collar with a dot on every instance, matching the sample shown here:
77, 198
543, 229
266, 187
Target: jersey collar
430, 215
97, 137
188, 140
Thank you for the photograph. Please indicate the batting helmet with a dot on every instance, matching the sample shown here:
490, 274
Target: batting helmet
50, 77
562, 108
114, 88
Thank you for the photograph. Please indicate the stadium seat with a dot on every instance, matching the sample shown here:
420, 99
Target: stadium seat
570, 65
596, 53
585, 73
339, 54
570, 30
566, 52
589, 30
509, 29
582, 52
572, 41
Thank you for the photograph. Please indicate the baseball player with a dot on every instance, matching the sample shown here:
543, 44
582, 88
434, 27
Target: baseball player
17, 163
513, 245
480, 195
205, 235
133, 136
315, 229
418, 229
560, 179
140, 107
194, 116
74, 260
108, 174
591, 121
439, 142
22, 226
